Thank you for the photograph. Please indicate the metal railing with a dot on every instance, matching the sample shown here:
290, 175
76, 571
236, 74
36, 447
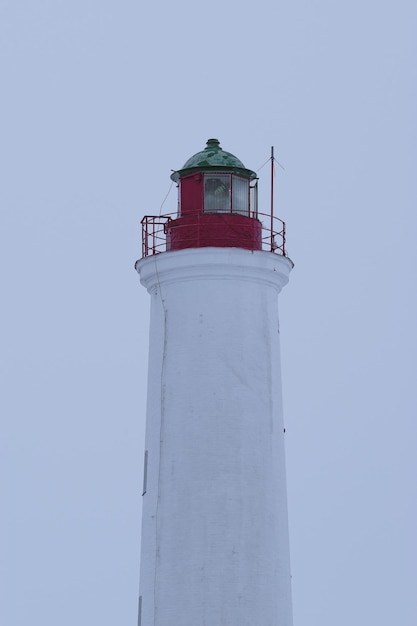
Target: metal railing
155, 233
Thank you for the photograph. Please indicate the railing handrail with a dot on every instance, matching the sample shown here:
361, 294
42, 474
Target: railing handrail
154, 232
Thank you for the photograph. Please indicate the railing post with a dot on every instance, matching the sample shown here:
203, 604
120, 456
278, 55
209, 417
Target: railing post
144, 223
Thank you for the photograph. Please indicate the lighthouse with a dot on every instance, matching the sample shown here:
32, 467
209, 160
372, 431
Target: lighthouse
215, 544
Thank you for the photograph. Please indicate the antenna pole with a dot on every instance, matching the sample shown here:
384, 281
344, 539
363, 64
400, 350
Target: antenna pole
272, 198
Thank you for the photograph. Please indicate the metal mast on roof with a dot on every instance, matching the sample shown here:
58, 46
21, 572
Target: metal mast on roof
272, 199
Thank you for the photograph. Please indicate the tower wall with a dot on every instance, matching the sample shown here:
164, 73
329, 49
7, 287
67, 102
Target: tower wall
215, 546
215, 229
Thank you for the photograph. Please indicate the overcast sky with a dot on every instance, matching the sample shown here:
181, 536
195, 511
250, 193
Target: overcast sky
99, 101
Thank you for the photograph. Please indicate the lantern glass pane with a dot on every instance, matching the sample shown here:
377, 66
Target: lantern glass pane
217, 193
240, 195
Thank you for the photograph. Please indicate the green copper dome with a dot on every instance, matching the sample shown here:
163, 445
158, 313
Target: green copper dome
213, 157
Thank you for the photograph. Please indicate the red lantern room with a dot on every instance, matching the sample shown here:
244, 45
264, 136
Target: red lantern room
217, 206
215, 203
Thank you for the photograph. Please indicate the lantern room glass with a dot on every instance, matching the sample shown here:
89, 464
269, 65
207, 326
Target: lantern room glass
240, 195
217, 193
226, 193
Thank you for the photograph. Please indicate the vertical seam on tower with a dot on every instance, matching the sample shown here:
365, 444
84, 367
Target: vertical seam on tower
140, 611
160, 438
145, 473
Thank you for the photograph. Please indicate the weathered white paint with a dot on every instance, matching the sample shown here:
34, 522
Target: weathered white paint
215, 547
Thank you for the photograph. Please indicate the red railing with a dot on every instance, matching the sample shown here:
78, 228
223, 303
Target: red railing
155, 233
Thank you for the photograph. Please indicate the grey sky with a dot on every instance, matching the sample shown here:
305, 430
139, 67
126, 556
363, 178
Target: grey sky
100, 100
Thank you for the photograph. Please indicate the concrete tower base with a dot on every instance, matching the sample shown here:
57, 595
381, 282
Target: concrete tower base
215, 546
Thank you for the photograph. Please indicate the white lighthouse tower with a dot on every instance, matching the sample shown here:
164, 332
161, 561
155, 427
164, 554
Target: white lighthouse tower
215, 546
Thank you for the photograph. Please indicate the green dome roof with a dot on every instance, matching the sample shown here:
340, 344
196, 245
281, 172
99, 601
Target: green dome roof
213, 157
